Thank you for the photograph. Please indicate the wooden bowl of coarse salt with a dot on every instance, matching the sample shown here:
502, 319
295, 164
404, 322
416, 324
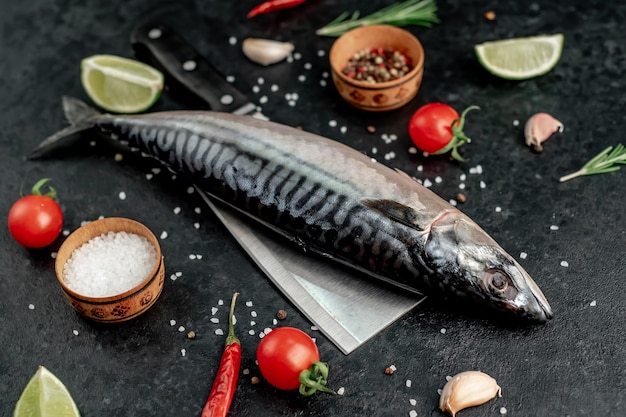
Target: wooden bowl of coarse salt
111, 269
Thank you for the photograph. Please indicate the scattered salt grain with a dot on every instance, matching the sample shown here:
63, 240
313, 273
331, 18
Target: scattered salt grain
564, 264
53, 255
453, 202
438, 179
172, 322
503, 410
413, 150
498, 209
232, 40
343, 129
122, 195
177, 210
302, 78
412, 413
196, 225
412, 401
297, 56
149, 176
274, 88
321, 52
260, 80
463, 177
523, 255
427, 183
230, 78
215, 320
420, 168
408, 383
323, 83
197, 210
462, 186
109, 264
190, 190
314, 328
515, 122
332, 123
554, 227
220, 302
253, 313
214, 310
275, 322
483, 185
390, 155
66, 232
31, 306
219, 332
593, 303
252, 323
251, 332
256, 89
263, 100
374, 150
181, 329
75, 332
183, 352
341, 391
442, 331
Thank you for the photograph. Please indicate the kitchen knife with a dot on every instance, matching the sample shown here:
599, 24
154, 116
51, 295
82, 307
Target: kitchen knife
346, 306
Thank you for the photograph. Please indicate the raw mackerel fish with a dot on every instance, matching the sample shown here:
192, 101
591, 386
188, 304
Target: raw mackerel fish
326, 198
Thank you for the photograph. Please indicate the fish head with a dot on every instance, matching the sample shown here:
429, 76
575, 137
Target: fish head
470, 264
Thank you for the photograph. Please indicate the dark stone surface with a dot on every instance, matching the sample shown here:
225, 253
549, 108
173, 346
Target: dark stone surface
572, 366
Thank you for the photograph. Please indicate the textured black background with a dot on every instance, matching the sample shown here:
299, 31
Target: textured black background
572, 366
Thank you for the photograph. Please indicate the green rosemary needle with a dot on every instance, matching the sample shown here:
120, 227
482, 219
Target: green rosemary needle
409, 12
606, 161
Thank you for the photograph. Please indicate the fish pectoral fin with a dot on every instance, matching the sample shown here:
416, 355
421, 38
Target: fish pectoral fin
398, 212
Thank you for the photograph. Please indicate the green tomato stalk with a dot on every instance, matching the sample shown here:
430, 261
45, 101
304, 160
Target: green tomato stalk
458, 137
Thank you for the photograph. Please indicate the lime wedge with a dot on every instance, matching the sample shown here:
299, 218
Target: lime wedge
520, 58
120, 85
45, 396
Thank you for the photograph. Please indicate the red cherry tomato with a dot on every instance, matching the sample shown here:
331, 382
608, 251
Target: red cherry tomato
288, 359
437, 128
36, 220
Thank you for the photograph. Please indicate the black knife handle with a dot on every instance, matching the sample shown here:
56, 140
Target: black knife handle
165, 49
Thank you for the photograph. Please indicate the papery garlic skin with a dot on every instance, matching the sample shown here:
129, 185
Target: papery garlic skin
266, 51
539, 128
468, 389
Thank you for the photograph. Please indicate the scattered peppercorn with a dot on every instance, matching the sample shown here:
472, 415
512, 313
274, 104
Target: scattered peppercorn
255, 380
377, 65
281, 315
490, 15
461, 198
371, 129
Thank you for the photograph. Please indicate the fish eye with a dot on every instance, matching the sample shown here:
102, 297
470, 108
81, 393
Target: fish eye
496, 280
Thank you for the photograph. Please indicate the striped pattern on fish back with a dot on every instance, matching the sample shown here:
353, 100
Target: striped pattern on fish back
281, 190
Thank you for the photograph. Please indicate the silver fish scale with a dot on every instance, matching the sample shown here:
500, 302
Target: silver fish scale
301, 208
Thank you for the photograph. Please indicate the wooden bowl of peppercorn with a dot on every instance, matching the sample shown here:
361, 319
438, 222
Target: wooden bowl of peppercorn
378, 67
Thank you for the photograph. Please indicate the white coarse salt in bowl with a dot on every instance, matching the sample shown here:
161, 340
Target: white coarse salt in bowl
111, 270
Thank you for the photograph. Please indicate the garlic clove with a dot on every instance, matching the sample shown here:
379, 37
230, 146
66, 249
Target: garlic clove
468, 389
266, 51
539, 128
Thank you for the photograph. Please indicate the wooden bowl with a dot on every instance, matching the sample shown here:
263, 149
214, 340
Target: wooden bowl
119, 307
381, 96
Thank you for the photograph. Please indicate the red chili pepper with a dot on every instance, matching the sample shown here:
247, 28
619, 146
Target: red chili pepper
271, 5
225, 382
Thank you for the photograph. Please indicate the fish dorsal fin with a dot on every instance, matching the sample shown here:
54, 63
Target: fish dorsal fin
396, 211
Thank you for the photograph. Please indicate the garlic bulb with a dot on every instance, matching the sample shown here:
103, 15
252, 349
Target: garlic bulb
539, 128
266, 51
468, 389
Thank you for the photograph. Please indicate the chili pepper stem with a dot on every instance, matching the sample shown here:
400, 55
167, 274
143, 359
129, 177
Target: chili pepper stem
232, 338
458, 136
314, 379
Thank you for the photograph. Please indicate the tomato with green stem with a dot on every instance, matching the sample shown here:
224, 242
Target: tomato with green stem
289, 359
35, 220
437, 128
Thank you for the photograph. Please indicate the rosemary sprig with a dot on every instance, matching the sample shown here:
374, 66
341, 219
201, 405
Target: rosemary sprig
606, 161
409, 12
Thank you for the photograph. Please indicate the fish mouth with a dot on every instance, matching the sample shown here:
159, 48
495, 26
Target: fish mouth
538, 309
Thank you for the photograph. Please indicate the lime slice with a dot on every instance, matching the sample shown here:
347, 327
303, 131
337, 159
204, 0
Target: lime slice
520, 58
120, 85
45, 396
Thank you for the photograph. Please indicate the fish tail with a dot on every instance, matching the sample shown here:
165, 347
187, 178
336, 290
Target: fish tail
81, 118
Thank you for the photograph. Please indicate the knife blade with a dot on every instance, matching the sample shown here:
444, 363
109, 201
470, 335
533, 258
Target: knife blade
348, 308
